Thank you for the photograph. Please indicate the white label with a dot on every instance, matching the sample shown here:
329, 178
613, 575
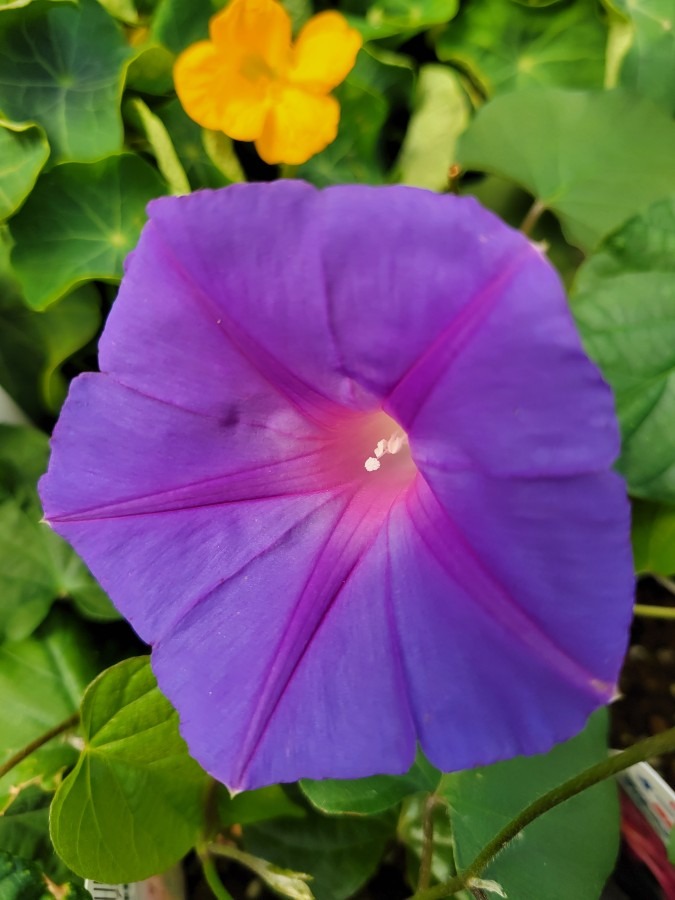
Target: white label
652, 796
101, 891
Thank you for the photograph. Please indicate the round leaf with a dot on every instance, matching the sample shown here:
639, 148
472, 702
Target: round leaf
79, 223
63, 67
133, 806
623, 302
649, 65
23, 151
33, 346
506, 46
594, 158
179, 23
388, 18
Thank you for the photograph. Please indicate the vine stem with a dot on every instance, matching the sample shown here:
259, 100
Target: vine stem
19, 757
654, 612
667, 583
532, 217
426, 859
212, 877
653, 746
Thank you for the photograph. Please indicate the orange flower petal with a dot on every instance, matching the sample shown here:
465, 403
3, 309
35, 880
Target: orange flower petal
196, 73
254, 28
216, 96
299, 125
325, 52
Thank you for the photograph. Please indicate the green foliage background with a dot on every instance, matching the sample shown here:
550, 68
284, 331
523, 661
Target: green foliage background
560, 107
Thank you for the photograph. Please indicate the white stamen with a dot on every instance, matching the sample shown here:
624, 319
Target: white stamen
395, 442
392, 445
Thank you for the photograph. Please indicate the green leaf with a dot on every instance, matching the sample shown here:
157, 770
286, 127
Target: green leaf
24, 823
299, 11
594, 158
538, 3
378, 84
249, 807
21, 880
151, 70
133, 806
507, 47
79, 223
179, 23
162, 148
124, 10
671, 846
42, 680
566, 854
63, 67
33, 346
36, 566
387, 18
649, 65
440, 115
624, 302
44, 769
23, 151
24, 831
9, 5
653, 534
367, 796
64, 329
204, 169
339, 853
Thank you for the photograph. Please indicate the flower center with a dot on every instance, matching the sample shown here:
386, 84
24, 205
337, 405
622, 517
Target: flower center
392, 445
253, 67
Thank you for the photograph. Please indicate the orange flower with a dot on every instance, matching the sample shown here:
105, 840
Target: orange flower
250, 81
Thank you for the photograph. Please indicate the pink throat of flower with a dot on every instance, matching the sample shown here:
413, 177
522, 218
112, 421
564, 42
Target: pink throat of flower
384, 456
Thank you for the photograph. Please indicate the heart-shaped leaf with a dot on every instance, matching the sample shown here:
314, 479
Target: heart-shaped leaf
133, 805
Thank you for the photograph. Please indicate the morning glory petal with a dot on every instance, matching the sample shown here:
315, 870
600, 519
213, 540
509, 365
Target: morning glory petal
347, 468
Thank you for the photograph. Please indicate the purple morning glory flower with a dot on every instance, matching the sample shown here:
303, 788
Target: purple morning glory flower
348, 470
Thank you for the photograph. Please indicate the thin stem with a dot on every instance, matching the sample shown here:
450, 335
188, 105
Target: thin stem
532, 217
19, 757
212, 877
426, 859
654, 612
211, 818
667, 583
653, 746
